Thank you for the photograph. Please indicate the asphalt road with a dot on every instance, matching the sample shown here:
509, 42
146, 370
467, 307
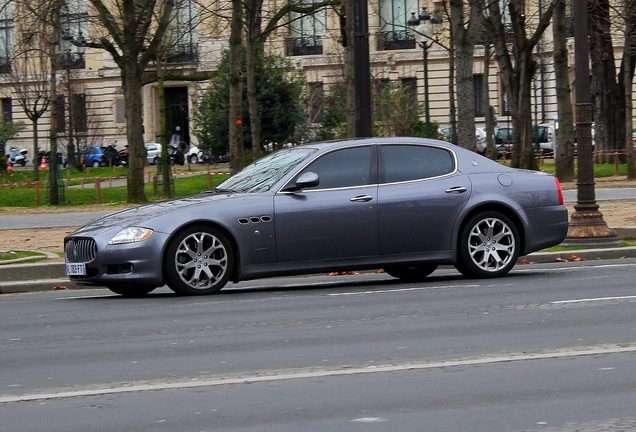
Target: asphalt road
550, 347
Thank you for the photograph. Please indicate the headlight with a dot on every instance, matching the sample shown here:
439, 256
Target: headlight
130, 235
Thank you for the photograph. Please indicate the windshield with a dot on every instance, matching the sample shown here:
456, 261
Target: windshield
263, 173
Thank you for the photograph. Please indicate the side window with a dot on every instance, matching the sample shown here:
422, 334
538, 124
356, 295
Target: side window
414, 162
343, 168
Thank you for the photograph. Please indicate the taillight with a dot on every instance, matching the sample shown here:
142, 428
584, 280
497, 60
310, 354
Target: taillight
559, 191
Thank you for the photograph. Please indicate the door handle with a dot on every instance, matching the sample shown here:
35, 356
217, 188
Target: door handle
456, 189
362, 198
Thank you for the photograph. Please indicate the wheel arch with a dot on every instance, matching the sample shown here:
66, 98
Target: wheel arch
496, 207
234, 276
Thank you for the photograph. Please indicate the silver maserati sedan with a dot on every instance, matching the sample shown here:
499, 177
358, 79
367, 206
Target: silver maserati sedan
405, 205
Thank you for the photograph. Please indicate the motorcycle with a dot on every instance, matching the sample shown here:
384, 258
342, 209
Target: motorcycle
110, 154
18, 158
122, 157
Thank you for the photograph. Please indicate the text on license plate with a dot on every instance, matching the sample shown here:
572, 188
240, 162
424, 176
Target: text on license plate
76, 269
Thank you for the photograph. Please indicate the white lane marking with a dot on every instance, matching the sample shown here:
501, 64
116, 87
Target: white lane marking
268, 376
597, 299
350, 293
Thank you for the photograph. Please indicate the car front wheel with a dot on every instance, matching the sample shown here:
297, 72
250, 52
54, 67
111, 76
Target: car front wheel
198, 261
194, 160
488, 246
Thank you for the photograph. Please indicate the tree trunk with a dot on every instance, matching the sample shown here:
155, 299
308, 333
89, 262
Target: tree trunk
628, 77
237, 161
491, 151
166, 174
36, 151
564, 135
349, 73
131, 83
464, 50
608, 101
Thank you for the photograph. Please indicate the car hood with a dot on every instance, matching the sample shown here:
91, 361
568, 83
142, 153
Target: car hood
145, 215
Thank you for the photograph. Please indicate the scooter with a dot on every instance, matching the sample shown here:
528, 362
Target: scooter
18, 158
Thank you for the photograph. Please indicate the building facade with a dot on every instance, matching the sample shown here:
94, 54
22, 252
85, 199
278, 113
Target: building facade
90, 79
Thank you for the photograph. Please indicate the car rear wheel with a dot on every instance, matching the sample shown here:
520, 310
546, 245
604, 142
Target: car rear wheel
198, 261
131, 291
411, 273
156, 160
488, 246
194, 160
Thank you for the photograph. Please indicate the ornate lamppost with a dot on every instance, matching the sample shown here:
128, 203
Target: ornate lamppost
422, 28
587, 226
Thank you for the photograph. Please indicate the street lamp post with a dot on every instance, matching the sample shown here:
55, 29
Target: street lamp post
587, 226
422, 28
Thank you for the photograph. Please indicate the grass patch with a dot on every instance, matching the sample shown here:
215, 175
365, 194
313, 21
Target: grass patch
24, 194
11, 255
578, 248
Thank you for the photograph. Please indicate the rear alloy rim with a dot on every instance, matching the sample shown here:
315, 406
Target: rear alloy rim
491, 244
201, 260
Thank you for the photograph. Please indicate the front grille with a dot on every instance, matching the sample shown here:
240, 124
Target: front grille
80, 250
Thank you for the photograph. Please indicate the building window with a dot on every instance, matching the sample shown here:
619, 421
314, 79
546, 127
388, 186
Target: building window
394, 15
6, 104
306, 31
410, 86
505, 101
182, 34
7, 41
78, 107
120, 111
61, 114
74, 28
478, 84
316, 102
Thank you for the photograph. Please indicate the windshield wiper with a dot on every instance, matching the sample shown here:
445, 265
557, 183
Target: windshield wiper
217, 190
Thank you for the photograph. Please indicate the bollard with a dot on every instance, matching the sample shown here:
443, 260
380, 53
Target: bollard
37, 193
98, 190
154, 185
615, 163
210, 182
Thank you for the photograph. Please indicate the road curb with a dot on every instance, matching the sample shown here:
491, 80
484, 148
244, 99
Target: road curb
22, 278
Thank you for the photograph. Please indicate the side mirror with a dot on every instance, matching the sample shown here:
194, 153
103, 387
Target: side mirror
306, 180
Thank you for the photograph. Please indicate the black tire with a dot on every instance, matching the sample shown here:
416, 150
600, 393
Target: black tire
489, 246
198, 261
194, 160
156, 160
411, 273
131, 291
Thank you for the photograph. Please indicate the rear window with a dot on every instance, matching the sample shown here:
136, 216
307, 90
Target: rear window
414, 162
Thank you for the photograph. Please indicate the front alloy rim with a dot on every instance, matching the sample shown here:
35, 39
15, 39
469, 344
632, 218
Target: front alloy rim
491, 244
201, 260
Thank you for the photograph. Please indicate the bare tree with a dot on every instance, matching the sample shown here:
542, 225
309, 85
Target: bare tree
29, 79
514, 45
465, 34
131, 32
564, 149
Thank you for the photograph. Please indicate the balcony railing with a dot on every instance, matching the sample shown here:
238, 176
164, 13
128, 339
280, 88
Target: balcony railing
305, 45
183, 53
70, 60
395, 40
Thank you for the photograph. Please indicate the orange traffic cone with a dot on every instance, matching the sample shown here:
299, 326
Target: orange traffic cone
43, 164
9, 168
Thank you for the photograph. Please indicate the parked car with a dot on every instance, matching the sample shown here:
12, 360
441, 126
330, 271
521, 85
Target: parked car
405, 205
91, 156
153, 153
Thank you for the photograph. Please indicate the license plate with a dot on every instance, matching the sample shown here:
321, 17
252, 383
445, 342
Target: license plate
77, 269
